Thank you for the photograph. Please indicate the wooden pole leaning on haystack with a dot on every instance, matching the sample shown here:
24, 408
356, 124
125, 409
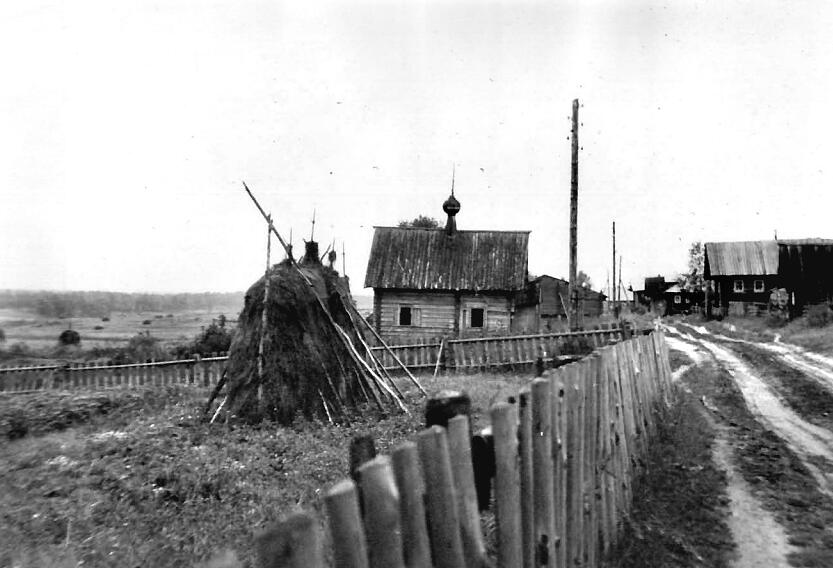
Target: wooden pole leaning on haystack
364, 368
377, 363
389, 350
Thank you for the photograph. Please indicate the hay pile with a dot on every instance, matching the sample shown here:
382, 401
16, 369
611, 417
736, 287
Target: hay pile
308, 367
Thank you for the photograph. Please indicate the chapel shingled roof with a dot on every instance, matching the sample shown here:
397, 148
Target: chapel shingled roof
431, 259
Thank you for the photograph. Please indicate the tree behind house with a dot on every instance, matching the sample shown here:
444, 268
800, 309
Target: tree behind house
423, 222
693, 279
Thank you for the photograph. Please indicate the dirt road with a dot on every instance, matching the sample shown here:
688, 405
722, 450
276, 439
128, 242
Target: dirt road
771, 403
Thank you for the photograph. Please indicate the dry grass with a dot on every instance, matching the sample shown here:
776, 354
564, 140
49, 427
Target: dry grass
797, 331
679, 501
154, 486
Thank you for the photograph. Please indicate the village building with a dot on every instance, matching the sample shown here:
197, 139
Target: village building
744, 275
542, 305
444, 282
664, 297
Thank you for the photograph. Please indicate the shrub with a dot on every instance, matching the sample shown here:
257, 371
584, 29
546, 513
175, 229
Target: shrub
146, 322
69, 337
143, 346
214, 339
98, 327
105, 319
818, 315
16, 351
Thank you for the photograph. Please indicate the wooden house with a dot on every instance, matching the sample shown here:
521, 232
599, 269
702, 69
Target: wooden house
744, 274
542, 304
667, 297
445, 282
678, 300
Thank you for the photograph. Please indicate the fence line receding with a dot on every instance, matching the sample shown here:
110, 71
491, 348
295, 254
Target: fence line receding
566, 455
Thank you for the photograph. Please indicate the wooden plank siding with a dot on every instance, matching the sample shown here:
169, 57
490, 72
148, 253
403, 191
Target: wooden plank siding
497, 315
435, 318
440, 314
526, 320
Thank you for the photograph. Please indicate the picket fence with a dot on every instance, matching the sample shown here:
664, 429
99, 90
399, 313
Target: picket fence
199, 371
566, 457
483, 353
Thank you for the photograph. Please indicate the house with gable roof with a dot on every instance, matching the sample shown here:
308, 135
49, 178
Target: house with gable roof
744, 274
445, 282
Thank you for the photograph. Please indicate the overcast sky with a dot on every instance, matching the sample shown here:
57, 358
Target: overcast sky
126, 128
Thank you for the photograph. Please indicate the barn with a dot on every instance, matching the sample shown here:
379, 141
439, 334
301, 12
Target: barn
541, 305
805, 269
444, 282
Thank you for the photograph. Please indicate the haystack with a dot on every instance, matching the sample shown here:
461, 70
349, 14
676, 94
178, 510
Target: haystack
312, 364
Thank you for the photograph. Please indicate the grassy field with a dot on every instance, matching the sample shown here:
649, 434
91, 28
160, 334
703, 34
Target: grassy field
41, 334
137, 479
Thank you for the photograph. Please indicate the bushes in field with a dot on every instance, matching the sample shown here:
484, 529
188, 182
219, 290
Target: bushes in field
143, 347
18, 350
215, 338
69, 337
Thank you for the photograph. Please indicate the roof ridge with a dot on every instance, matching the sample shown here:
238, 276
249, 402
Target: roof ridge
458, 231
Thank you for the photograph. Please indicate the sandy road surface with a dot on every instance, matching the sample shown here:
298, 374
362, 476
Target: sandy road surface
761, 540
805, 439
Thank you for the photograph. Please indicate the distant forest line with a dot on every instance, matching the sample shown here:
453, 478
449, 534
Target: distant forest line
102, 304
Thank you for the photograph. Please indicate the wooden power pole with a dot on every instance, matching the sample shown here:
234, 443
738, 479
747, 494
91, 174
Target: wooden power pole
573, 289
615, 282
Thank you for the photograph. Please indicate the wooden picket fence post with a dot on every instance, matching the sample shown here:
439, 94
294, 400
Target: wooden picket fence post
565, 460
104, 376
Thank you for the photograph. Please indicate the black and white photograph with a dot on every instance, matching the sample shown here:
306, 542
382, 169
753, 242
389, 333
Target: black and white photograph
416, 284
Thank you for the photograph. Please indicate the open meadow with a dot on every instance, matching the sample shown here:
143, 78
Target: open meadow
135, 478
40, 334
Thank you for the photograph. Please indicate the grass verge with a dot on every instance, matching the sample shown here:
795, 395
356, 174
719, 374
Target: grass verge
679, 502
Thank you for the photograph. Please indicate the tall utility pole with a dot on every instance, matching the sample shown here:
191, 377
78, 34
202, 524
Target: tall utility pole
615, 282
573, 289
621, 286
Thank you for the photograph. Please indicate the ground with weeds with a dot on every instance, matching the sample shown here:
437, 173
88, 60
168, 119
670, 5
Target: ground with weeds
149, 484
679, 501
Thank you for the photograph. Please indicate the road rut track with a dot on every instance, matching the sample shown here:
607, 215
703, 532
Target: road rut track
786, 458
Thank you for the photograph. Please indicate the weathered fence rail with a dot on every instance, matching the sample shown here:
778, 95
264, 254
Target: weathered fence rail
481, 353
198, 371
566, 456
497, 351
